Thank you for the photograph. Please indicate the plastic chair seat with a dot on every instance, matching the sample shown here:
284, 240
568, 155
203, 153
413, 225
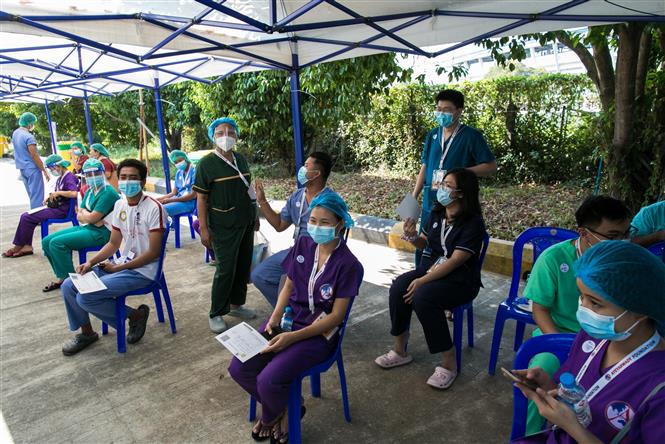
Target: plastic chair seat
176, 225
71, 217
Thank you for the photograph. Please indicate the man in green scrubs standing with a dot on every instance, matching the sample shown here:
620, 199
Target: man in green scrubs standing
226, 205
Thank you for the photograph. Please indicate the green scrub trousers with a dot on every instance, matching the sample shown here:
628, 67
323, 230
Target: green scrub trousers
58, 246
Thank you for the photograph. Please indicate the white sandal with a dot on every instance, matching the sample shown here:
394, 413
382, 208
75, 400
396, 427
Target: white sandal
392, 359
442, 378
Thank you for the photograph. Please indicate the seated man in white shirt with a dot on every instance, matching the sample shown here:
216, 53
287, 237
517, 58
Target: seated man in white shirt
139, 221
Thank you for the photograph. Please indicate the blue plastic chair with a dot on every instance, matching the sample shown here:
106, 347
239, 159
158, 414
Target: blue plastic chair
314, 373
176, 225
71, 217
540, 238
157, 286
657, 249
559, 345
458, 314
83, 253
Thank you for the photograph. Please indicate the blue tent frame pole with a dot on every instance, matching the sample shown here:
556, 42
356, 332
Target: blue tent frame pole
50, 127
88, 123
162, 137
296, 114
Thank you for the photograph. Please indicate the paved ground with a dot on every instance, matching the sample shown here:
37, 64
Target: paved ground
175, 388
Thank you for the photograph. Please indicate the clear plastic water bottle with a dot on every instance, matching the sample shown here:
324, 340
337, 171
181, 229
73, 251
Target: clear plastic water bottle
571, 393
287, 320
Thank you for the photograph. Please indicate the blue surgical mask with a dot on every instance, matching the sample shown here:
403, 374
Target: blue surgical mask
95, 181
443, 195
321, 235
77, 152
302, 175
602, 326
444, 119
130, 188
182, 165
54, 172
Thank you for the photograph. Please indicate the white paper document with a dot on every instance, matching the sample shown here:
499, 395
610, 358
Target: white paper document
34, 210
87, 283
243, 341
409, 208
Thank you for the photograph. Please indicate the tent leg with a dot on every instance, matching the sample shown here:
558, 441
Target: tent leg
88, 122
296, 114
50, 127
162, 138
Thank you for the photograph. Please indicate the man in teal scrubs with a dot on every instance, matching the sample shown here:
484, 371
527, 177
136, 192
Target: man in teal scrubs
648, 226
451, 144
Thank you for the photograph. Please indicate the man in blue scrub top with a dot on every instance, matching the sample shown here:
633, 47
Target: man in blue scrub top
451, 144
313, 177
28, 161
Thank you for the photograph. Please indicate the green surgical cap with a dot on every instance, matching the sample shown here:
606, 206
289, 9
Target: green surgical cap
175, 154
92, 165
101, 149
626, 275
27, 119
80, 146
55, 159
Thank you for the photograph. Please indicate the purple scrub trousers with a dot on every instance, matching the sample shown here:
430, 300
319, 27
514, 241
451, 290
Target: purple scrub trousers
268, 377
28, 223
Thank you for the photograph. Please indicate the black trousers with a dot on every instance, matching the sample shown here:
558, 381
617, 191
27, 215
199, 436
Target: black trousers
429, 301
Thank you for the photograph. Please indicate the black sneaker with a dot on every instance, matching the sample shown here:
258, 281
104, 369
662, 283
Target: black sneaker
78, 343
137, 328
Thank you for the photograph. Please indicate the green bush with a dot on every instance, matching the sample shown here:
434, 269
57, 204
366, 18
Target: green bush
536, 126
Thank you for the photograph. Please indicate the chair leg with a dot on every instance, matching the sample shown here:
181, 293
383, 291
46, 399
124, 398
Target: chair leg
176, 227
315, 384
458, 328
519, 335
207, 255
496, 340
105, 328
342, 384
167, 301
295, 402
252, 409
158, 306
469, 327
120, 316
191, 226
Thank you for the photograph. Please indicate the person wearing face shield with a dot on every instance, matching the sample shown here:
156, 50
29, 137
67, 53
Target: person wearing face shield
447, 277
451, 144
323, 277
94, 231
312, 177
56, 206
226, 206
182, 199
552, 287
27, 159
79, 156
618, 357
99, 152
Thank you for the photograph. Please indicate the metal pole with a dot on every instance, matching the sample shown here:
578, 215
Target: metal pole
50, 127
88, 123
296, 115
162, 138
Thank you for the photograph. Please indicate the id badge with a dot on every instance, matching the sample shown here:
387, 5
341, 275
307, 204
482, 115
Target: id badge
296, 232
251, 192
437, 178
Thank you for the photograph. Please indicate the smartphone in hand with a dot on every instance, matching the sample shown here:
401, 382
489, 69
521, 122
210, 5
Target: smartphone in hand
275, 331
516, 378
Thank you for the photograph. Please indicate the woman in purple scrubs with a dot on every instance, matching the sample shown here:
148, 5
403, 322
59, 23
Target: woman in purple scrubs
66, 188
619, 355
323, 277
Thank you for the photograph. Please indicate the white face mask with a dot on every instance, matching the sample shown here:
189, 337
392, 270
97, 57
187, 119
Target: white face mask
225, 143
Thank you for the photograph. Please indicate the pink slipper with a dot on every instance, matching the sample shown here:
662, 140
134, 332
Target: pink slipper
392, 359
442, 378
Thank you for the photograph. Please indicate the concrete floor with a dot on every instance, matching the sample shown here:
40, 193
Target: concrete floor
175, 388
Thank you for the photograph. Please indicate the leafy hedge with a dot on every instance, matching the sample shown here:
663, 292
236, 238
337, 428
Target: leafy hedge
537, 126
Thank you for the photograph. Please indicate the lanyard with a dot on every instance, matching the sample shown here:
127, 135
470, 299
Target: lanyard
448, 145
578, 249
314, 275
617, 368
444, 235
233, 165
302, 204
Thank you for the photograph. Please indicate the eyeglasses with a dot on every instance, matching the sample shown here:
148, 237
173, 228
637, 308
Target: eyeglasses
618, 236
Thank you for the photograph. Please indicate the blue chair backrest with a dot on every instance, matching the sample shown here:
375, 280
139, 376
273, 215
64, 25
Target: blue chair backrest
559, 345
483, 250
342, 327
71, 213
540, 238
167, 230
657, 248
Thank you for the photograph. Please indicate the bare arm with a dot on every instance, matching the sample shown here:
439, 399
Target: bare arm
185, 198
649, 239
420, 181
438, 271
484, 169
89, 217
166, 196
202, 210
32, 150
541, 315
266, 210
107, 251
65, 193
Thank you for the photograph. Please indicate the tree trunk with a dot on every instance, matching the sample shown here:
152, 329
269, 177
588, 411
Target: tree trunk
606, 75
643, 62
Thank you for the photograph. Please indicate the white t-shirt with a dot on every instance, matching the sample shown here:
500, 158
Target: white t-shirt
135, 222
